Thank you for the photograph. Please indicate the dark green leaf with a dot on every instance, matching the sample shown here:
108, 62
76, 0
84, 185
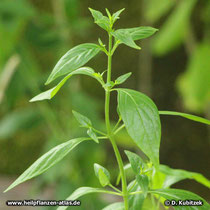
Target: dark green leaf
92, 135
47, 161
135, 161
73, 59
100, 19
115, 206
125, 37
188, 116
142, 121
83, 121
122, 78
116, 15
175, 194
52, 92
102, 174
143, 182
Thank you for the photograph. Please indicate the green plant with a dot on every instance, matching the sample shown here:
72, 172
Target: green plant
137, 113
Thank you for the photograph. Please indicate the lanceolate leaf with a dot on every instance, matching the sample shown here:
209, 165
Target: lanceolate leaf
188, 116
116, 15
122, 78
125, 37
83, 121
52, 92
173, 176
82, 191
73, 59
142, 121
141, 32
175, 194
47, 161
135, 161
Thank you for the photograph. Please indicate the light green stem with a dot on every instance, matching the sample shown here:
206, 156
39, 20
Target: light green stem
109, 131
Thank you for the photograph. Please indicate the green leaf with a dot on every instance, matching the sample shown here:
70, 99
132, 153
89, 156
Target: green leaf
46, 161
135, 161
73, 59
115, 206
52, 92
188, 116
80, 192
173, 176
175, 194
122, 78
142, 121
175, 29
92, 135
100, 19
102, 174
116, 15
124, 37
193, 84
83, 121
143, 182
141, 32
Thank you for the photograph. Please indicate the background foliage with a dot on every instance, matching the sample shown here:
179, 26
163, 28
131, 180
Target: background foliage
173, 68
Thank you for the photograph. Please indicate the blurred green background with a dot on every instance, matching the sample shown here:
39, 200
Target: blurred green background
173, 68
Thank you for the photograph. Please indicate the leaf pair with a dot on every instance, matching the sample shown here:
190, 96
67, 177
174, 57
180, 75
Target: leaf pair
103, 21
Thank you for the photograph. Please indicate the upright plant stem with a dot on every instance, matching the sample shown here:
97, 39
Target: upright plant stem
109, 130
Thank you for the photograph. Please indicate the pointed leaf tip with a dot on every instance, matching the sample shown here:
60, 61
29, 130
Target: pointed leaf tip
46, 161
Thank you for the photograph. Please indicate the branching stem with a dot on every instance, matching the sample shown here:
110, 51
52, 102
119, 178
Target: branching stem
109, 130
